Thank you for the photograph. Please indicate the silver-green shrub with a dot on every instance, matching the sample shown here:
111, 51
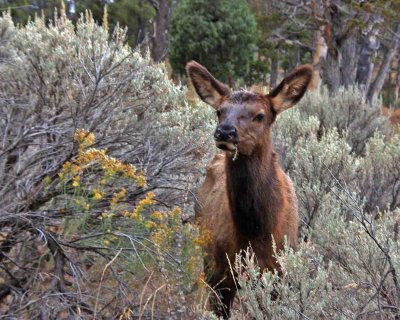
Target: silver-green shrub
379, 176
68, 249
57, 79
347, 270
314, 163
345, 163
354, 119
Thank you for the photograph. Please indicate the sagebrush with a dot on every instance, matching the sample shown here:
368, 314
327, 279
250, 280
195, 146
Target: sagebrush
99, 155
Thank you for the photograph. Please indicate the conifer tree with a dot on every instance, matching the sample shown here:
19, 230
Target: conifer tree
219, 34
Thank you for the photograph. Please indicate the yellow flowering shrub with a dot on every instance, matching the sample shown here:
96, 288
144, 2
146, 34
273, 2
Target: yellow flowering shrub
163, 230
84, 138
119, 196
204, 238
89, 157
101, 181
147, 201
162, 226
76, 181
97, 194
88, 196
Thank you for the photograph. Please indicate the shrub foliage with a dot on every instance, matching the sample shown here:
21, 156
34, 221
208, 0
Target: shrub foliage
344, 162
99, 154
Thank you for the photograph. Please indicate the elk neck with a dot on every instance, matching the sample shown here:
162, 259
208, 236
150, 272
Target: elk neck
253, 191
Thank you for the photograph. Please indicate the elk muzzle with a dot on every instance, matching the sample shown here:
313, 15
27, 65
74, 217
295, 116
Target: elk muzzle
226, 137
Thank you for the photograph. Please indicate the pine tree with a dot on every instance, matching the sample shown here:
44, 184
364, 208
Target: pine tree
219, 34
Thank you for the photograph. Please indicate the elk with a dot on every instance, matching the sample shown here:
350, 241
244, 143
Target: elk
246, 198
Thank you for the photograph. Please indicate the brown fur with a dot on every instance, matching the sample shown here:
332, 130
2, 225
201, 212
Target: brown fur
248, 200
393, 115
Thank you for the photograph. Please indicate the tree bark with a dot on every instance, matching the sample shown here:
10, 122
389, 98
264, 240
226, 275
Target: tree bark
339, 37
348, 64
331, 70
331, 67
319, 55
274, 72
377, 85
160, 36
389, 87
368, 47
397, 86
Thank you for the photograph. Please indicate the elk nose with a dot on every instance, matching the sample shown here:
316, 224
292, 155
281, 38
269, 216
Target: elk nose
225, 133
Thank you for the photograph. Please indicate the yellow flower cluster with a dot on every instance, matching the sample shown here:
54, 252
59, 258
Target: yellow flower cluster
97, 194
117, 197
164, 226
150, 224
89, 156
76, 181
111, 165
162, 235
84, 138
80, 202
65, 169
204, 238
145, 202
157, 215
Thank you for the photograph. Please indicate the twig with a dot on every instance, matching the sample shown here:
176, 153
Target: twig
101, 281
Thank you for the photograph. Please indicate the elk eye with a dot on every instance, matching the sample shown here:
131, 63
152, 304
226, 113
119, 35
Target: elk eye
260, 117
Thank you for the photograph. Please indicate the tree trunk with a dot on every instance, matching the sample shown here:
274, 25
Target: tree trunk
318, 56
369, 45
368, 48
384, 69
331, 69
160, 37
389, 87
397, 86
274, 72
348, 61
339, 37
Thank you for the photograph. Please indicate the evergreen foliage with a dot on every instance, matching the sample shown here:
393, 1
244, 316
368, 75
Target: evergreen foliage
136, 15
220, 34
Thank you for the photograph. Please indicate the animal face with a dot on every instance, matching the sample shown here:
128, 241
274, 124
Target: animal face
243, 121
245, 118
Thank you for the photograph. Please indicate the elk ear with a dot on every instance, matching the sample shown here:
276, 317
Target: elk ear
291, 89
209, 89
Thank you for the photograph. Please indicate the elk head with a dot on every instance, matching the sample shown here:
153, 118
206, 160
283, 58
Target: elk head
245, 118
